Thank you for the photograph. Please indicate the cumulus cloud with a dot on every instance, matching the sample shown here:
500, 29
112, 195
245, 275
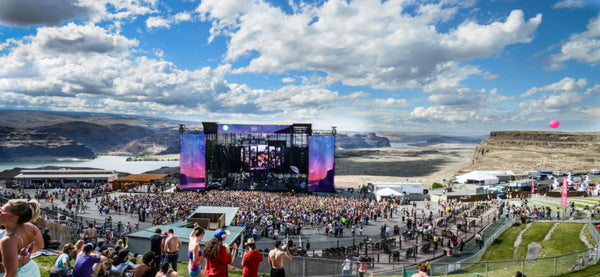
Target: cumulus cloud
568, 4
155, 22
85, 67
390, 102
26, 13
396, 49
160, 22
567, 94
582, 47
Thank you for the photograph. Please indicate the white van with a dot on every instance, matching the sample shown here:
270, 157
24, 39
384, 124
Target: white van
595, 171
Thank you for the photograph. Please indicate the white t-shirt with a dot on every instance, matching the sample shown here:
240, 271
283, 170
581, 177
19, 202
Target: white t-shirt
346, 264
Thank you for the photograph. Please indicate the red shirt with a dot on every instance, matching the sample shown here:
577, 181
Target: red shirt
251, 261
217, 267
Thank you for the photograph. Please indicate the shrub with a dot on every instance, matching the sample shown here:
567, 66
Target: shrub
436, 186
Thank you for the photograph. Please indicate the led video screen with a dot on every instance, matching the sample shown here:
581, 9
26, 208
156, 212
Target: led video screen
192, 162
321, 163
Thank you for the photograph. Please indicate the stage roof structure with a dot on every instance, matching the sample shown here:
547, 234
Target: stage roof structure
66, 174
140, 178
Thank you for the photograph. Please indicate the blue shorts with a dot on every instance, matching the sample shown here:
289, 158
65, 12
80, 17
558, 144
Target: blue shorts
195, 272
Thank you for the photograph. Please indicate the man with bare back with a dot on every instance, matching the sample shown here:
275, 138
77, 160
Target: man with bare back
276, 257
172, 244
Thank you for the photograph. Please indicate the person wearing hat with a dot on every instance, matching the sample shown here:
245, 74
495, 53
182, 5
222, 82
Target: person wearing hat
217, 254
251, 260
346, 267
276, 257
48, 242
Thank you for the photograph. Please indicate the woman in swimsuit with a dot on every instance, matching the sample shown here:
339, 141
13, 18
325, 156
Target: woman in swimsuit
22, 237
195, 253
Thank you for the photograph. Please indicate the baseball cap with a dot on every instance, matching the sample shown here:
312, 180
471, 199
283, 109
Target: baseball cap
221, 233
165, 234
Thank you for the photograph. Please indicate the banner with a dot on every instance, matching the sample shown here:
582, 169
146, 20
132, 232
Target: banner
532, 186
563, 199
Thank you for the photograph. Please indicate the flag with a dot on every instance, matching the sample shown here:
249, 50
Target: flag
563, 199
532, 186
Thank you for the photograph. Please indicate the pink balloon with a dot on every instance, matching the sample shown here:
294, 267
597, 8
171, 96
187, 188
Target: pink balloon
554, 124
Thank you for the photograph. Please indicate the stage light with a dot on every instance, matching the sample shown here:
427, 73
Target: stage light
225, 127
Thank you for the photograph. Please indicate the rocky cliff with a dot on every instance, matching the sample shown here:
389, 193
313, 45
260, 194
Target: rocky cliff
521, 151
370, 140
22, 145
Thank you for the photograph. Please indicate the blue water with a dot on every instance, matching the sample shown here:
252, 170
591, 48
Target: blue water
117, 163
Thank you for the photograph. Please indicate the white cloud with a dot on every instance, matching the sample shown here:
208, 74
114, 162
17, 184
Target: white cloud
182, 17
568, 4
157, 22
85, 67
395, 49
565, 95
54, 12
390, 102
288, 80
582, 47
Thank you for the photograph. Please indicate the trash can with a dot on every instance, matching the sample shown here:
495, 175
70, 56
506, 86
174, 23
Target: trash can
449, 252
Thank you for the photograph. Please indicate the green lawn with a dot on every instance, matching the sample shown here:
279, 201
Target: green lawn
536, 233
503, 247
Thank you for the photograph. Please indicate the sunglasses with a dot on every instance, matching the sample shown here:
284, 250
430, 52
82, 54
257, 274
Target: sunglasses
2, 211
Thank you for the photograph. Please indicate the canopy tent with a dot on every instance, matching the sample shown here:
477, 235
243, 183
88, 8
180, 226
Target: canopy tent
482, 177
387, 192
136, 180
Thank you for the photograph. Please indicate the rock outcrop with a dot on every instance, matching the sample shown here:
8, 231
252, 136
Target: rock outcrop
369, 140
17, 144
521, 151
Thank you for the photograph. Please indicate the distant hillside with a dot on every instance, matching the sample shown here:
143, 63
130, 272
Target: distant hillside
100, 138
520, 151
17, 144
31, 120
161, 143
417, 139
369, 140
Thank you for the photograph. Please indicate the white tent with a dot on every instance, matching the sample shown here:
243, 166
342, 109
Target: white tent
387, 192
482, 177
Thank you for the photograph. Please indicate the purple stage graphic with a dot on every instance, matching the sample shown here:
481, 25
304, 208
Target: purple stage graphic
253, 129
321, 163
192, 162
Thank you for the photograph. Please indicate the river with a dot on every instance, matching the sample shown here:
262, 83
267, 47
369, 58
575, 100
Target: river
117, 163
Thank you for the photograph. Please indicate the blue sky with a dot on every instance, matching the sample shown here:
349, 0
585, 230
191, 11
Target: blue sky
461, 66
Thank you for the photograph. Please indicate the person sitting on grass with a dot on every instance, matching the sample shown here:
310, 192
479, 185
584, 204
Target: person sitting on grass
166, 271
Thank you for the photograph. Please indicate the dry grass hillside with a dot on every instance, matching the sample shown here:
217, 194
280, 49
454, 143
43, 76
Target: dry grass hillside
520, 151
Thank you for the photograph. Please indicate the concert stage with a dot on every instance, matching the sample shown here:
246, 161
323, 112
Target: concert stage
271, 157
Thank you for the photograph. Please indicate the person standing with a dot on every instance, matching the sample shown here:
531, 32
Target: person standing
22, 237
217, 254
91, 234
194, 252
276, 257
251, 260
362, 267
172, 244
346, 267
156, 247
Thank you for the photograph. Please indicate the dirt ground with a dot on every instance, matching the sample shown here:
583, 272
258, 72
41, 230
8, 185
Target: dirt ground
398, 164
